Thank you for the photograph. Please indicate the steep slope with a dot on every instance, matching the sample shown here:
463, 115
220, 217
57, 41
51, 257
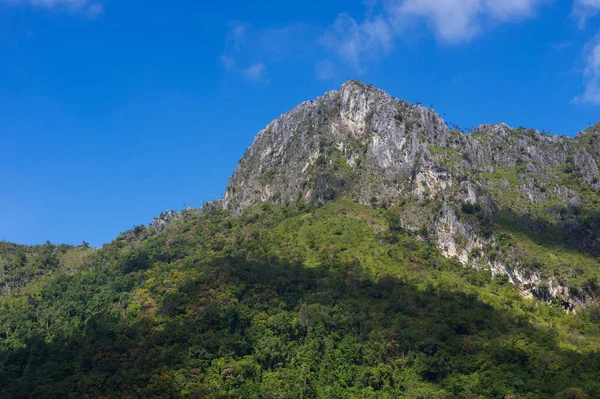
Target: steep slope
497, 198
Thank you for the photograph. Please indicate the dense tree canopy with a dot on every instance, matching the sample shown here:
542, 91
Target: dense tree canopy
334, 302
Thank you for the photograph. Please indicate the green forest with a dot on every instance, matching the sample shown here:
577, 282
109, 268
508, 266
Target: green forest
284, 302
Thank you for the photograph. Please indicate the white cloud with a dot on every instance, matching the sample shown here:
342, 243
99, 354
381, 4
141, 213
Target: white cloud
452, 21
455, 21
354, 41
255, 71
591, 73
92, 8
510, 9
585, 9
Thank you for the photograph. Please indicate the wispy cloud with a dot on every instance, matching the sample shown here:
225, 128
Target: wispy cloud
354, 41
351, 43
256, 71
585, 9
452, 21
236, 36
248, 51
90, 7
234, 43
591, 73
455, 21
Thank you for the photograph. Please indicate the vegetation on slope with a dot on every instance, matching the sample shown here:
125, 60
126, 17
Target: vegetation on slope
334, 302
21, 264
553, 237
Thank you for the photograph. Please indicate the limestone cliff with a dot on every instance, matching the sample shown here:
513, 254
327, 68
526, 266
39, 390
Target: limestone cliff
473, 194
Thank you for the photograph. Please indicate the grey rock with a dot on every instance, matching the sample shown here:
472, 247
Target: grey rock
361, 143
161, 222
588, 167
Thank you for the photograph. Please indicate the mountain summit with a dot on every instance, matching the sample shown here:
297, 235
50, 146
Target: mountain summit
357, 141
475, 195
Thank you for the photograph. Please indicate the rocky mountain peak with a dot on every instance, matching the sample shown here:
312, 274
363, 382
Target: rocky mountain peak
344, 133
361, 143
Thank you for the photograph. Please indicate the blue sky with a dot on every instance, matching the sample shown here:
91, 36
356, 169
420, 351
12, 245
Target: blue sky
113, 111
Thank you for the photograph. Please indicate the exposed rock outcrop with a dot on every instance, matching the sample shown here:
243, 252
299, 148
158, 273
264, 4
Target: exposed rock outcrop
361, 143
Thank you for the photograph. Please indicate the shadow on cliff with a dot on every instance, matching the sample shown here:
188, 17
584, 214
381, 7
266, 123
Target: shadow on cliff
574, 230
235, 308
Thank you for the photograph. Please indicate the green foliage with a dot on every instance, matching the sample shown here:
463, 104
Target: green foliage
20, 264
551, 231
285, 302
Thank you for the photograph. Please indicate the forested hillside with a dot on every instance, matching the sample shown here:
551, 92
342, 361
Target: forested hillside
288, 302
21, 264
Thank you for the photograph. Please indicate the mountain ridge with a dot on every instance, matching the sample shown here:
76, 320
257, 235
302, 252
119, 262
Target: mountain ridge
364, 144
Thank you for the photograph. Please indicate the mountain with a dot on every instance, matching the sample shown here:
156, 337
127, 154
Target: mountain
492, 198
362, 250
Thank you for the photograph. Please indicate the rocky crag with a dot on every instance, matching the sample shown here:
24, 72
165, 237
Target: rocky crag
515, 201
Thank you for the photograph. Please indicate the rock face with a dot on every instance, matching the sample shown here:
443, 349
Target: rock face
161, 222
361, 143
357, 141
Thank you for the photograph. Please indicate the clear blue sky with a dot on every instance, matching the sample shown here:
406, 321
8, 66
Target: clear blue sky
113, 111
